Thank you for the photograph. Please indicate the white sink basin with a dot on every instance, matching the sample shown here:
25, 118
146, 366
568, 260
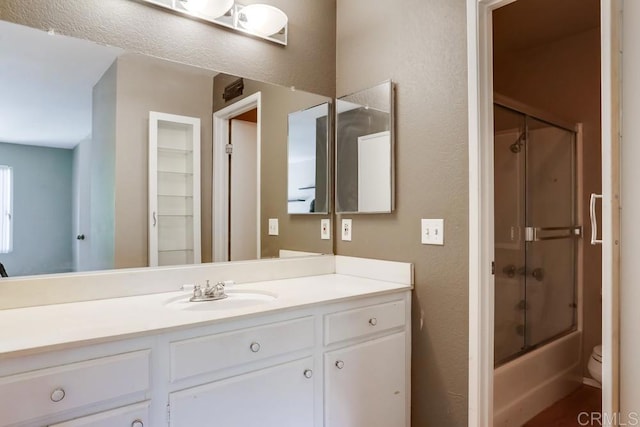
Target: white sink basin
235, 299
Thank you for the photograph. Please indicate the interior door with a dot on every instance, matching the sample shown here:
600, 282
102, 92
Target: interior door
243, 194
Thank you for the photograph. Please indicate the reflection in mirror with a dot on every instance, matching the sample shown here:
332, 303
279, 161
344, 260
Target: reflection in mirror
364, 151
259, 116
308, 160
75, 133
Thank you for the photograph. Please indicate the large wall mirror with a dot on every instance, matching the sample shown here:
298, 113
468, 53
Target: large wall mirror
75, 136
365, 151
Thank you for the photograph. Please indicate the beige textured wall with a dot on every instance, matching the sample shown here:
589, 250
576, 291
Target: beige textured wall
563, 78
308, 62
421, 45
148, 84
296, 232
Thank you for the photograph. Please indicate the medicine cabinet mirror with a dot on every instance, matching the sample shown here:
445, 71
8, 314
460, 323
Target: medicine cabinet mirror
308, 171
365, 151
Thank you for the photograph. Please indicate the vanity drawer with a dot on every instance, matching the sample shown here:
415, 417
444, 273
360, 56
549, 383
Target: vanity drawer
128, 416
49, 391
363, 321
211, 353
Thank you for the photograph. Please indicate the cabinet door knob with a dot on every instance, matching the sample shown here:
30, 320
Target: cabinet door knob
255, 347
308, 373
339, 364
57, 395
373, 321
137, 423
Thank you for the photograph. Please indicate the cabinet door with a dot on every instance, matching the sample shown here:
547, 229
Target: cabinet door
365, 384
279, 396
174, 189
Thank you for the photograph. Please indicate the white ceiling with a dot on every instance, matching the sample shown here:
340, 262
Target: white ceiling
46, 83
528, 23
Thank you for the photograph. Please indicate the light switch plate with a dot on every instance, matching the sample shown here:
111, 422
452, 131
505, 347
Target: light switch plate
432, 231
346, 229
273, 226
325, 229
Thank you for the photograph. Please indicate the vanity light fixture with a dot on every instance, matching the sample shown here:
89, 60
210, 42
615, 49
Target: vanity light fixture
260, 20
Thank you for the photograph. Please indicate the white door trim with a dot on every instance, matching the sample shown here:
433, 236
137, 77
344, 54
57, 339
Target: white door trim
481, 216
610, 23
221, 173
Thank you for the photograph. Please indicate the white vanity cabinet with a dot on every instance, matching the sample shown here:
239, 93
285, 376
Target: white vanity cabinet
367, 383
343, 363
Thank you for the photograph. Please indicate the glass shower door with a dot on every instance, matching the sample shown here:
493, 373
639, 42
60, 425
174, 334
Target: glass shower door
550, 235
535, 233
510, 257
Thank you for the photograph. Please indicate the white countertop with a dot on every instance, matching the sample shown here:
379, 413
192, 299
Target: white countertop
52, 327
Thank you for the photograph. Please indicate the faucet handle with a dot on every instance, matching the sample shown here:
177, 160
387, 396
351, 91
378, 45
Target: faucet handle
218, 290
197, 291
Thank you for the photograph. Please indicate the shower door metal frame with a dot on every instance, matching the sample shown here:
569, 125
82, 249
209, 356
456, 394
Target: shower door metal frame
481, 199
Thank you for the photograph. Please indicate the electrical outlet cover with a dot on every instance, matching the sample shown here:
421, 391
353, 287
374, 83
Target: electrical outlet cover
273, 226
346, 230
325, 229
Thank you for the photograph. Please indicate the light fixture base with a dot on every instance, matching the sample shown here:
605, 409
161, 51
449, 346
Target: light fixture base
234, 18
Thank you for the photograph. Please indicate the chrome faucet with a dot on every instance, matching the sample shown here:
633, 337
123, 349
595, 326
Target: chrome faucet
210, 293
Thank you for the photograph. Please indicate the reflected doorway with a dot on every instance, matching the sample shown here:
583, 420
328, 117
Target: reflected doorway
243, 186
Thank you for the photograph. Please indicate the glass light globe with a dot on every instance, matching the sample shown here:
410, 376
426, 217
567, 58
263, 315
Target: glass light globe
262, 19
208, 8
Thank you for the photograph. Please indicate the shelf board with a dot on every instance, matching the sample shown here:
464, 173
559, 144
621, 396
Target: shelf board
183, 196
175, 150
186, 174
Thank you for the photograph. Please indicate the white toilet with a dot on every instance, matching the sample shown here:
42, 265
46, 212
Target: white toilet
595, 364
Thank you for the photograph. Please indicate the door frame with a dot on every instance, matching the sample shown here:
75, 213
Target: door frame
481, 214
220, 187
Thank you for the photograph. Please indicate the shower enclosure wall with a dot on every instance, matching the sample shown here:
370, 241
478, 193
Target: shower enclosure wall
535, 232
536, 254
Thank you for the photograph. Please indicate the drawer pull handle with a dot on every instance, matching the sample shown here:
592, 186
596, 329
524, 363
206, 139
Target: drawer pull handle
308, 373
57, 395
373, 321
255, 347
137, 423
339, 364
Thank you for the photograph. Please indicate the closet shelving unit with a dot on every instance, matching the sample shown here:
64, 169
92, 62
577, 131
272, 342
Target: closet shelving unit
174, 189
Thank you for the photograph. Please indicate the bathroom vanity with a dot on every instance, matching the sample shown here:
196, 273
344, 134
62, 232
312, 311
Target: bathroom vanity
329, 349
